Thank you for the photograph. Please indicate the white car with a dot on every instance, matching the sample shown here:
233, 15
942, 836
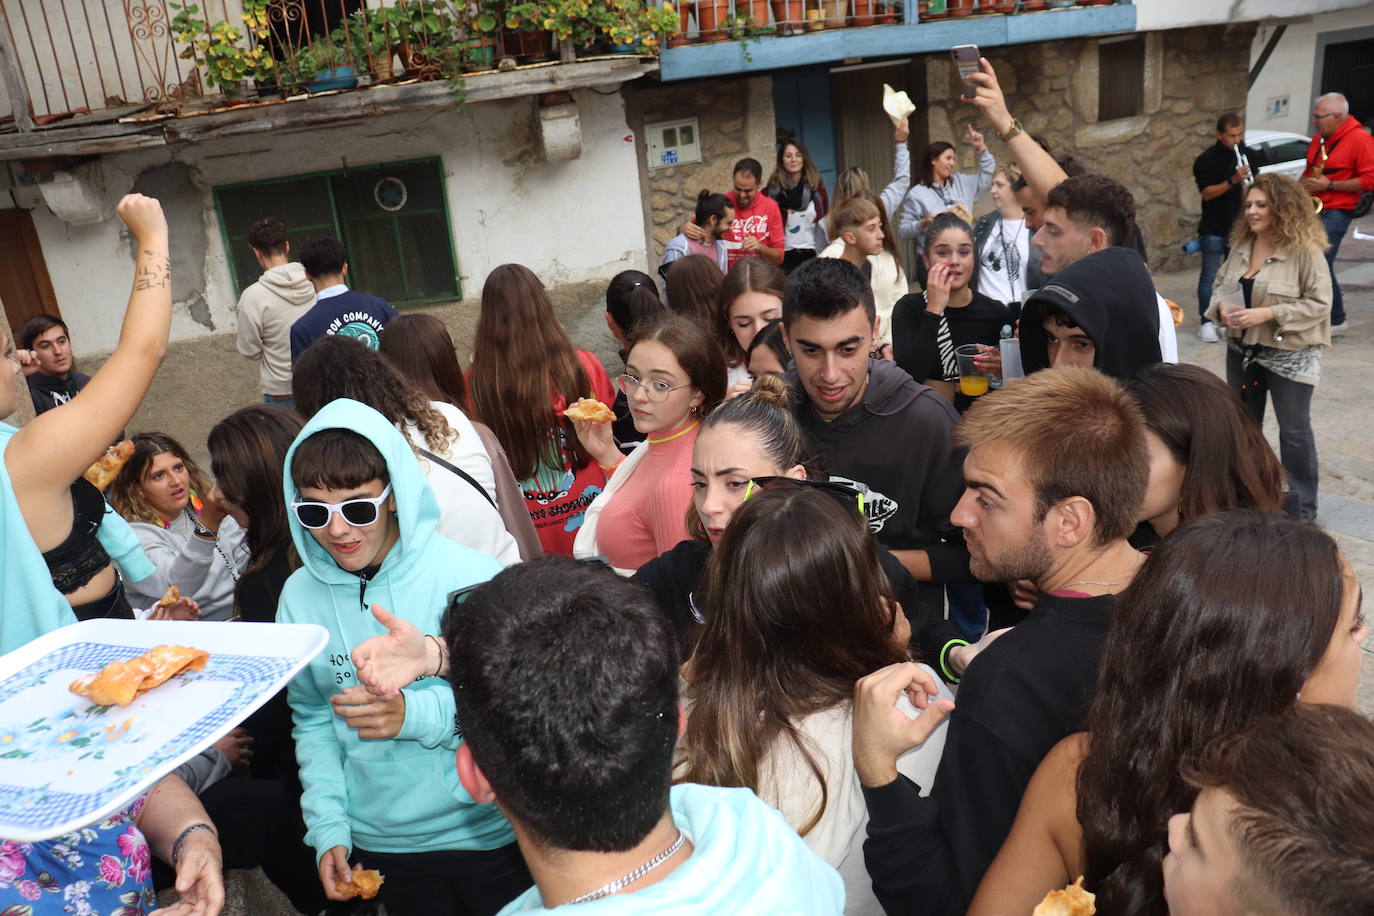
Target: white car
1286, 153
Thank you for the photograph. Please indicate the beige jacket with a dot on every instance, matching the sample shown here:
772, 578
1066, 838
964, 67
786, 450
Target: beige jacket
267, 309
1296, 286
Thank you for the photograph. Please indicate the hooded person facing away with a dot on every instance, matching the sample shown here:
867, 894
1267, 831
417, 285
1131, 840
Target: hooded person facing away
380, 785
1100, 311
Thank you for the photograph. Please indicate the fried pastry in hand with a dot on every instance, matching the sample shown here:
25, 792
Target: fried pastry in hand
364, 883
590, 409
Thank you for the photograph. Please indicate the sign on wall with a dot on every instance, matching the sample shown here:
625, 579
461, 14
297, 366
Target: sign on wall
673, 143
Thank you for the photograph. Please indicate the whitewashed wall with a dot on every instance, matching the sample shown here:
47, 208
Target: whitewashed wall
567, 221
1290, 69
1175, 14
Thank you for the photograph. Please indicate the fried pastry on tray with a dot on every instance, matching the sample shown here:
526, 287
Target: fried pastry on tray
169, 597
106, 468
120, 683
1071, 901
364, 883
590, 409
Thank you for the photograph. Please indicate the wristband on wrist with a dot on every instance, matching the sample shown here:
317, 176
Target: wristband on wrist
944, 659
609, 469
176, 847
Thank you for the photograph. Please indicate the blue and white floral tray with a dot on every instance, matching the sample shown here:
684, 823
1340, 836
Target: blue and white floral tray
65, 762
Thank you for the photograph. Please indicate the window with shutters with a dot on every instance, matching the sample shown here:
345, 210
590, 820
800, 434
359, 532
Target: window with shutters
391, 217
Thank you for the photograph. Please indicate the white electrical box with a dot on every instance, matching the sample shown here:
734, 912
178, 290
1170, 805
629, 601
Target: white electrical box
1277, 107
673, 143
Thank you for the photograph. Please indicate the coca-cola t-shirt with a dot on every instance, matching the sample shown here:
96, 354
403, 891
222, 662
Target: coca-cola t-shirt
762, 220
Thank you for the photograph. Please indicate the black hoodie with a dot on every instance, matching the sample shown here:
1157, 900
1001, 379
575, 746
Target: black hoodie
897, 445
48, 392
1110, 296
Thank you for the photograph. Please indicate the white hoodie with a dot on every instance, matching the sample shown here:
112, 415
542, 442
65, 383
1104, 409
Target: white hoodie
267, 309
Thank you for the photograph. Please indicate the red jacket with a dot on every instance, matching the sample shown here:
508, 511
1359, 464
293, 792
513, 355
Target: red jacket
1349, 154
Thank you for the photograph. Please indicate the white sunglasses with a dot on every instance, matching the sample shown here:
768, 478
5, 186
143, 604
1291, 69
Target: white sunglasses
359, 512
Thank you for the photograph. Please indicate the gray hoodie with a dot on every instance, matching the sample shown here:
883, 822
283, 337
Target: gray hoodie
267, 309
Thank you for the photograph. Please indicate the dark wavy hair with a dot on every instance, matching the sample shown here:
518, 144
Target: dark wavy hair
421, 348
773, 650
1227, 462
1223, 626
945, 222
925, 172
247, 454
336, 367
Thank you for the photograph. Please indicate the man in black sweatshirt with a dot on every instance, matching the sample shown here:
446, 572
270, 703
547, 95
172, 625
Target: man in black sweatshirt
51, 370
1055, 476
877, 430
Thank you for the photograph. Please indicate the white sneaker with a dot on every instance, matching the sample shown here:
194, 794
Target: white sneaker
1208, 332
1339, 329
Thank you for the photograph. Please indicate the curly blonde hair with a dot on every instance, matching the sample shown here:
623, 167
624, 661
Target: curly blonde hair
126, 492
1296, 226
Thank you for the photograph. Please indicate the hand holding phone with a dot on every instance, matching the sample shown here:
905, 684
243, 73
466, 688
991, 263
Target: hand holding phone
965, 59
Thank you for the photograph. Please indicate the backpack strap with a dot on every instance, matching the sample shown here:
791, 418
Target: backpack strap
461, 473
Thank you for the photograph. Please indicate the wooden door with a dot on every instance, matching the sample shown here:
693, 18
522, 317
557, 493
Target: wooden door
25, 287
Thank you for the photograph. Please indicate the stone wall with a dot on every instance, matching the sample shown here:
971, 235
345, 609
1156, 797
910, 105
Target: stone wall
1191, 77
735, 118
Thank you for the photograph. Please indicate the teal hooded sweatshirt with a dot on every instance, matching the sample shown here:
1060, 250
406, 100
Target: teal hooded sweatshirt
400, 794
745, 859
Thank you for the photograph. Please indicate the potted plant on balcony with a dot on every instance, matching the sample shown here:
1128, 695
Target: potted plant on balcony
429, 45
368, 37
864, 13
216, 51
526, 35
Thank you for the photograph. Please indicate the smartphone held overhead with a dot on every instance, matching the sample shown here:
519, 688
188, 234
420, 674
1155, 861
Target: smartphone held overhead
965, 59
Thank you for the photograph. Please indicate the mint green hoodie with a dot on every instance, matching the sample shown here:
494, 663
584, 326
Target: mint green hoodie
400, 794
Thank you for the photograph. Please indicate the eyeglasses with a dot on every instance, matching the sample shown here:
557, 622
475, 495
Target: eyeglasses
1329, 114
846, 495
656, 389
359, 512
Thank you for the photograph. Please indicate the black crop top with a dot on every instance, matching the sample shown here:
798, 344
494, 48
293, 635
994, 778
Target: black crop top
80, 557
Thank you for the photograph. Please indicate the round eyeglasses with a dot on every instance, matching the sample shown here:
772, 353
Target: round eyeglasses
655, 389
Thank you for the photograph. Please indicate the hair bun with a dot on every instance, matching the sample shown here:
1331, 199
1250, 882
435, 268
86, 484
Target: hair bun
770, 390
703, 194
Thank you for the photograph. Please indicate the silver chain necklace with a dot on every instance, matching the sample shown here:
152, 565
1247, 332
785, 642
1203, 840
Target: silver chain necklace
607, 890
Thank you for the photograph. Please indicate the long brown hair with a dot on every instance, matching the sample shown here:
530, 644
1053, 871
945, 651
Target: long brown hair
751, 275
126, 493
336, 367
773, 649
421, 348
810, 176
694, 285
1191, 655
1296, 226
1227, 462
247, 453
523, 360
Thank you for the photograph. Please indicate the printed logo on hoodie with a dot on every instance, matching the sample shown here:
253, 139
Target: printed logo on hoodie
878, 507
359, 325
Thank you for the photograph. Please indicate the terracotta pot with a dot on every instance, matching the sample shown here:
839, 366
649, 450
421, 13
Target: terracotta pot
959, 8
836, 14
863, 12
815, 21
382, 68
1003, 6
756, 10
887, 16
684, 22
529, 44
710, 14
788, 15
1034, 6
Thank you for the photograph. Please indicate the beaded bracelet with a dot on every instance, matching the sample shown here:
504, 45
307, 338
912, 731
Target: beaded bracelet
176, 847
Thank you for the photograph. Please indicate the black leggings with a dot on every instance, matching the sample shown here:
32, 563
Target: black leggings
452, 882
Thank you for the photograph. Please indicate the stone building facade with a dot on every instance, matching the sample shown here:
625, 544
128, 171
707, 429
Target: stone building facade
735, 119
1191, 76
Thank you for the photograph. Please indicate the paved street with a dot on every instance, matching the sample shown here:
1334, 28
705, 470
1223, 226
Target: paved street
1341, 413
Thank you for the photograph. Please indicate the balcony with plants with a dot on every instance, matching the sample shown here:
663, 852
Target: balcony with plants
73, 65
715, 37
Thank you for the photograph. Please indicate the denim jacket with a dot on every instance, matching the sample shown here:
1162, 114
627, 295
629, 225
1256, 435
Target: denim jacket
1296, 285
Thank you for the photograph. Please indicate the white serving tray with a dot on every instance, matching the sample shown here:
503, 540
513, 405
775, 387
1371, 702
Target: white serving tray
65, 763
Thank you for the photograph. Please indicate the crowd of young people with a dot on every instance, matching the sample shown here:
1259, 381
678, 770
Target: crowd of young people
704, 657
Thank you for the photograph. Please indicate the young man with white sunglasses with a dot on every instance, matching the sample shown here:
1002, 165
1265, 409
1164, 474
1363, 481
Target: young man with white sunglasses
380, 787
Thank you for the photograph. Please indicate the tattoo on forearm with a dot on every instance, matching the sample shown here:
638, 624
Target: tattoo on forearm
153, 275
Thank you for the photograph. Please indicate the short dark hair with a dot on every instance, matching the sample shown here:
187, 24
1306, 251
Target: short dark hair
925, 169
268, 236
323, 257
749, 166
1302, 825
824, 289
36, 326
565, 678
1229, 120
337, 459
1094, 200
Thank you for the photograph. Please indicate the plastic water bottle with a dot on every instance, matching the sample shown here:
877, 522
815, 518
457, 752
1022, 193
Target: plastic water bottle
1192, 246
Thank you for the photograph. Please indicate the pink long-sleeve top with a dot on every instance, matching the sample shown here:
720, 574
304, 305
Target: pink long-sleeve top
648, 514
